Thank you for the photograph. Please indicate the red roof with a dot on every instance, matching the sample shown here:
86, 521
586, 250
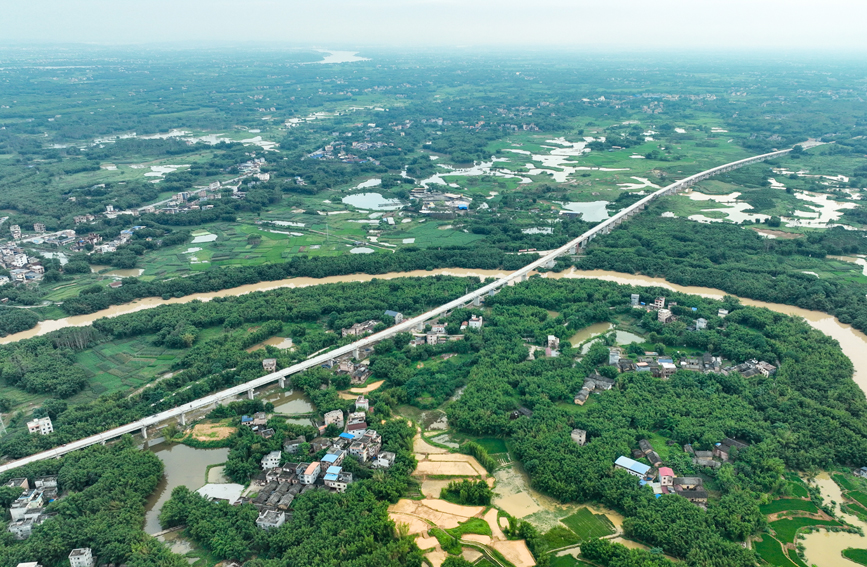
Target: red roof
665, 471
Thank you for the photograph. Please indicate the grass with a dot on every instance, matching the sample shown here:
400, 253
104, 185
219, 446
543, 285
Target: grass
787, 529
799, 490
588, 525
856, 555
784, 504
858, 496
471, 526
560, 536
492, 445
447, 541
772, 552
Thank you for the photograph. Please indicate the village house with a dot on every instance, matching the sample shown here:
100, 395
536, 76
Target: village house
664, 316
334, 457
398, 317
862, 472
337, 479
41, 425
81, 557
475, 322
308, 472
722, 313
666, 476
269, 364
659, 303
271, 460
258, 420
724, 449
334, 417
270, 519
384, 460
700, 324
292, 446
362, 403
360, 329
553, 342
635, 300
631, 466
614, 355
579, 436
438, 328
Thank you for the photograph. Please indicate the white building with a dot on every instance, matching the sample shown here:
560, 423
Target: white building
271, 460
700, 323
362, 403
475, 322
722, 313
270, 519
310, 473
579, 436
82, 557
635, 299
553, 342
19, 260
664, 315
659, 302
40, 425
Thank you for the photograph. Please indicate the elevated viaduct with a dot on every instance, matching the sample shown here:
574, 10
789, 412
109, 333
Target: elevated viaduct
249, 388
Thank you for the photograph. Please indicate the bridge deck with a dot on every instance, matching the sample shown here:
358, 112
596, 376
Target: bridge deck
407, 325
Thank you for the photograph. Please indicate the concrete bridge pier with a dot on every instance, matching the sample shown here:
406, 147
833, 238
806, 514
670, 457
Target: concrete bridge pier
183, 419
573, 250
550, 264
477, 301
357, 354
102, 442
282, 381
144, 431
524, 278
251, 393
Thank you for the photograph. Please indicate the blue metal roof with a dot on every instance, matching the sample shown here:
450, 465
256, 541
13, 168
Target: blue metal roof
331, 477
632, 465
329, 458
345, 435
333, 470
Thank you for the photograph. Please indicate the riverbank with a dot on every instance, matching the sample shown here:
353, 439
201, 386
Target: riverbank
852, 341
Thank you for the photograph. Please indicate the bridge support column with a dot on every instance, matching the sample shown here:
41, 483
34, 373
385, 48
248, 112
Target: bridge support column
477, 301
251, 393
183, 419
282, 381
357, 354
573, 250
550, 264
102, 442
524, 278
144, 432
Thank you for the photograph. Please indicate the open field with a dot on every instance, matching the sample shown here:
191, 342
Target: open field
587, 525
212, 431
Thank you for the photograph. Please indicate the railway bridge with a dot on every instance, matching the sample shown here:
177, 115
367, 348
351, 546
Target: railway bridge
280, 376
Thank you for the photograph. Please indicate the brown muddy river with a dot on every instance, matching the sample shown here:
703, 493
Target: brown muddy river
853, 342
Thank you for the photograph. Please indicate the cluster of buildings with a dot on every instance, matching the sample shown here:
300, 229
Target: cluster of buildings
593, 383
724, 451
337, 150
439, 205
659, 478
282, 483
81, 557
258, 423
22, 268
28, 510
439, 335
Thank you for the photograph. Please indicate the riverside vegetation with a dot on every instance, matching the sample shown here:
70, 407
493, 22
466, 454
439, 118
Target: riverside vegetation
809, 415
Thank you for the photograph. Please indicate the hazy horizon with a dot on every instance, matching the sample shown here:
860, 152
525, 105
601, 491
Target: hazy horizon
630, 25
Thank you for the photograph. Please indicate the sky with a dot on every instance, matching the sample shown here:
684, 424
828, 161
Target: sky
620, 25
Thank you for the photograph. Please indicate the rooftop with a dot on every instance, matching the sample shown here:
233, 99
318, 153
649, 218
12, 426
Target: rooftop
632, 465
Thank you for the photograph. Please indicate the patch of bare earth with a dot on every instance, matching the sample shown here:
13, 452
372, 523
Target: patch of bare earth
212, 431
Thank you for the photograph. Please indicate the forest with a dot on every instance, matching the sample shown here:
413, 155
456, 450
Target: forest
737, 261
104, 490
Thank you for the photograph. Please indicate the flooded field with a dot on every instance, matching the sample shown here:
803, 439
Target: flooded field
184, 466
823, 548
